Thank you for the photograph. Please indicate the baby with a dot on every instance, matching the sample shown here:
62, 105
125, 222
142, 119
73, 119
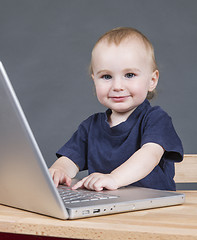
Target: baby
132, 142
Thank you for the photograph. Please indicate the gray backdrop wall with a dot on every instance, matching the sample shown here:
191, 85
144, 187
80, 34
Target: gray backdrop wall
45, 46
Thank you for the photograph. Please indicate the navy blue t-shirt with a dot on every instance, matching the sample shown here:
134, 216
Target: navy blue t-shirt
100, 148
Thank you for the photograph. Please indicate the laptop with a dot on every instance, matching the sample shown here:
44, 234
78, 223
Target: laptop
25, 182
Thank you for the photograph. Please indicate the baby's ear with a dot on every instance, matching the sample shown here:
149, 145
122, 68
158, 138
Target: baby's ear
92, 75
154, 80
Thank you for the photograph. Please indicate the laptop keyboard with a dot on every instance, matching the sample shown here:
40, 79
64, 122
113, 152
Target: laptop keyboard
81, 195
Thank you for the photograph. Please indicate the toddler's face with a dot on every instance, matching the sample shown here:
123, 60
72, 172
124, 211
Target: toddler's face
122, 75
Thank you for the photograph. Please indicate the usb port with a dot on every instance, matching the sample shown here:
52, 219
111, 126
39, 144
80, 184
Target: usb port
96, 210
85, 212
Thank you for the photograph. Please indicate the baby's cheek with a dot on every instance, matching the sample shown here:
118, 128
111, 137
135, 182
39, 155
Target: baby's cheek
139, 91
101, 93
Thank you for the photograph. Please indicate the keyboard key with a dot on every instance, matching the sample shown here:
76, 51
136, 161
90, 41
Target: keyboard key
81, 195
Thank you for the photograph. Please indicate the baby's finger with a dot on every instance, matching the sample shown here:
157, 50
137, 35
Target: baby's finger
98, 185
56, 179
89, 182
51, 172
79, 184
67, 181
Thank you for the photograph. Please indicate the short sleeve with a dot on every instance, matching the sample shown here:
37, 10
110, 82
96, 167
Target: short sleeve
76, 148
158, 128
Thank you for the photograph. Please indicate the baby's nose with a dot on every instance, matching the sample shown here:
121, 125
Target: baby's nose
118, 85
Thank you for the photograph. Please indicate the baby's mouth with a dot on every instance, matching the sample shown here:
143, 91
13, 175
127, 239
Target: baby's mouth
119, 98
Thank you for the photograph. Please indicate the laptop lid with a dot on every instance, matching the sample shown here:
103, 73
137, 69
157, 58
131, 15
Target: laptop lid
24, 178
25, 181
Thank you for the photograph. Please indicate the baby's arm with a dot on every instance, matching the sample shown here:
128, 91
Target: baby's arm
63, 170
138, 166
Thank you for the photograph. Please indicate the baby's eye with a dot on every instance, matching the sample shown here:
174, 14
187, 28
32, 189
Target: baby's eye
106, 76
129, 75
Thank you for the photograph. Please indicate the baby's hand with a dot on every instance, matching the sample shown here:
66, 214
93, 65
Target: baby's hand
59, 177
97, 182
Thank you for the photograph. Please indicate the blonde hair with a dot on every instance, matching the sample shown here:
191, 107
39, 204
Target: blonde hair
117, 35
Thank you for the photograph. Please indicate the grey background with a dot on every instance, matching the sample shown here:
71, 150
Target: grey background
45, 46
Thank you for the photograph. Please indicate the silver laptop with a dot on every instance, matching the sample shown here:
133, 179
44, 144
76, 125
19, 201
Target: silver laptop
25, 182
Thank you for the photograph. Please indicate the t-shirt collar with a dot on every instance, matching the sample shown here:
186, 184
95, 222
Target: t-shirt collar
124, 126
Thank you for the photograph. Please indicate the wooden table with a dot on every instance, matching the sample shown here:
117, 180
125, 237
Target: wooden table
176, 222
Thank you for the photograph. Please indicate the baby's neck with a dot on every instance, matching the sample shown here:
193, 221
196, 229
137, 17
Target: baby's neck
116, 118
